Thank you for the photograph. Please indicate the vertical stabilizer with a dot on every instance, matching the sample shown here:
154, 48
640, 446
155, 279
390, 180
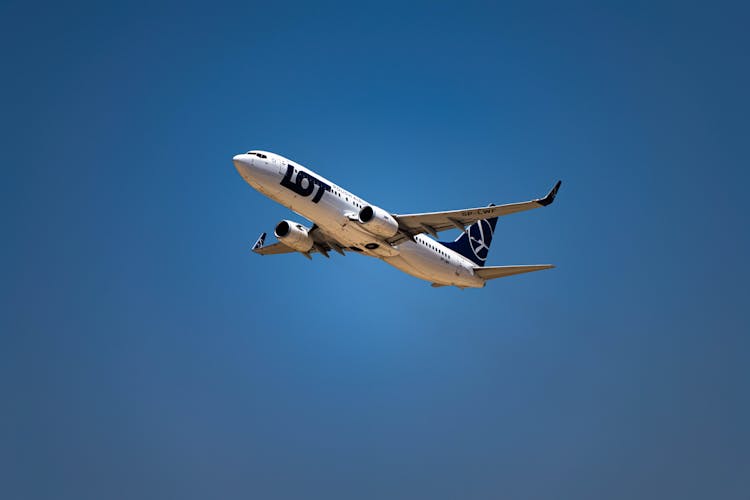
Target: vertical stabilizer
474, 243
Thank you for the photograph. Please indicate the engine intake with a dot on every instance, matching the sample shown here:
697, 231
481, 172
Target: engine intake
294, 235
378, 222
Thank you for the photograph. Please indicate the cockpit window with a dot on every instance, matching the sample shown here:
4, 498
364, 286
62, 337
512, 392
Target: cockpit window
259, 155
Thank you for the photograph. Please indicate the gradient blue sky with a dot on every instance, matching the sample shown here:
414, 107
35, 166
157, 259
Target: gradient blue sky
146, 354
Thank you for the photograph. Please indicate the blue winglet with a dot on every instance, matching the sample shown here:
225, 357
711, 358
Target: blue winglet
260, 242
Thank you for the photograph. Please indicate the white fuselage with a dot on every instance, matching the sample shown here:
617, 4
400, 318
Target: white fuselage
335, 209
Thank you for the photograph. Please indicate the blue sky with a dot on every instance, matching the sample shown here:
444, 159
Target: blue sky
146, 354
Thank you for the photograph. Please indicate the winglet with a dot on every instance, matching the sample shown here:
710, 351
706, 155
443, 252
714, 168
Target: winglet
547, 200
261, 240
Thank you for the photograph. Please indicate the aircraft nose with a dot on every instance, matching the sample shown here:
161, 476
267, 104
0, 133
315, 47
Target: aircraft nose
241, 161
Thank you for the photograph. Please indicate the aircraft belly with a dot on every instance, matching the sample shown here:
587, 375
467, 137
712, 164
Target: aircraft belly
329, 217
421, 263
371, 245
403, 265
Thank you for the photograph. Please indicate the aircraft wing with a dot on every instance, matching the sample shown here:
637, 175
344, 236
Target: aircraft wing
434, 222
275, 249
323, 244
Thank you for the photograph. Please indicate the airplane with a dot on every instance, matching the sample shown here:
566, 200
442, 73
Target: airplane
343, 222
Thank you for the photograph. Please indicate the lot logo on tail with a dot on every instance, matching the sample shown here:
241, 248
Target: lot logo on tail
474, 243
480, 237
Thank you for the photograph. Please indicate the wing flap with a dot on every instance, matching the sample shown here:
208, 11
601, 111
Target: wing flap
493, 272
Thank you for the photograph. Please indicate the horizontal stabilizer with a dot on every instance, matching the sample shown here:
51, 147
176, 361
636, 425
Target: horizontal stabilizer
492, 272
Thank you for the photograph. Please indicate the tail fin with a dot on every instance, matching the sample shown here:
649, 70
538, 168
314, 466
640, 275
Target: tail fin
474, 243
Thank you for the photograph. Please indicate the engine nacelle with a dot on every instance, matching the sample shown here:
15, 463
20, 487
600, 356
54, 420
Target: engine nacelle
378, 222
294, 235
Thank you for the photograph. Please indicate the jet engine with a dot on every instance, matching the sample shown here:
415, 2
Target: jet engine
378, 222
294, 236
